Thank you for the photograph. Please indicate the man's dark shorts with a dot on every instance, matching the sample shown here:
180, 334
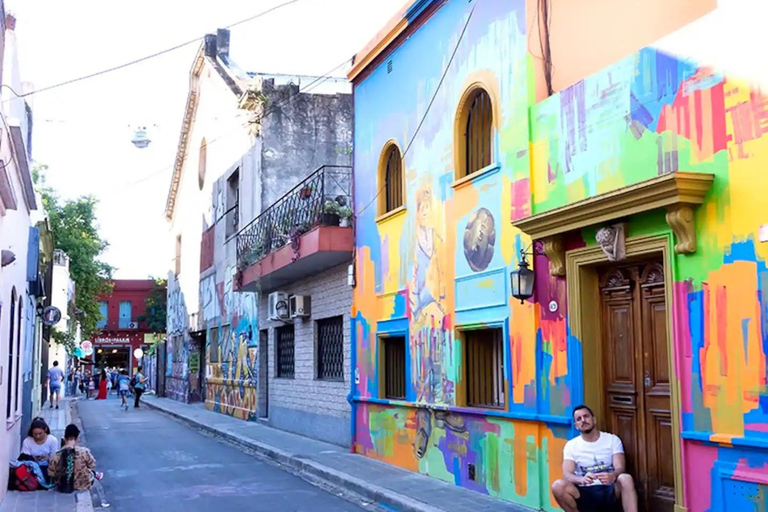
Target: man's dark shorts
597, 498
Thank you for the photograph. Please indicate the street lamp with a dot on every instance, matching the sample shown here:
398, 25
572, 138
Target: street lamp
140, 138
522, 279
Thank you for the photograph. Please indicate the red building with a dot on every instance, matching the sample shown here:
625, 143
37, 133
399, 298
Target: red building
121, 331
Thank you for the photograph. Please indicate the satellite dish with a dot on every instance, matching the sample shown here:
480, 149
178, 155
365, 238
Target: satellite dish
140, 138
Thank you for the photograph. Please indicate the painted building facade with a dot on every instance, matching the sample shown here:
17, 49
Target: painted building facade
18, 204
215, 133
122, 330
657, 147
247, 139
291, 252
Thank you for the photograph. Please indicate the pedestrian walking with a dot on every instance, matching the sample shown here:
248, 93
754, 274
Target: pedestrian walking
123, 386
139, 386
55, 379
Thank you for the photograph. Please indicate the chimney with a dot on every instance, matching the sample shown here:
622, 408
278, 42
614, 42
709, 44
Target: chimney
210, 46
222, 42
10, 22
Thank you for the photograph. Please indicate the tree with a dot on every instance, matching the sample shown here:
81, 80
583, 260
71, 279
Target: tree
157, 304
75, 231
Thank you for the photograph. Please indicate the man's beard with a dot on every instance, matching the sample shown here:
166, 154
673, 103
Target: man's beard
589, 430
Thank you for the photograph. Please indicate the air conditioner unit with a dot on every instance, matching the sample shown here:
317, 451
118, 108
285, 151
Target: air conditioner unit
299, 305
133, 325
278, 306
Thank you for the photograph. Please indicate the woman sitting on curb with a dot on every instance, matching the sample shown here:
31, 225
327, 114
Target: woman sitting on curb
39, 445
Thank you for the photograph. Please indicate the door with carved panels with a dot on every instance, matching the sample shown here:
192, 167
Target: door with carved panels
635, 377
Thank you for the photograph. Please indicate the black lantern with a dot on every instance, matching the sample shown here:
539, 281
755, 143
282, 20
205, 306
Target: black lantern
522, 280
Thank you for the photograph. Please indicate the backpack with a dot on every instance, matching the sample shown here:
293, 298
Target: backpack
65, 480
133, 381
24, 480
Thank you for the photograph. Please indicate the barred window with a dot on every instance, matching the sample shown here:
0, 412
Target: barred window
213, 356
394, 367
485, 368
285, 352
330, 348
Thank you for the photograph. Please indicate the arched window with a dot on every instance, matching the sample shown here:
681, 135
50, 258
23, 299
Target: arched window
391, 176
202, 161
475, 122
18, 357
11, 331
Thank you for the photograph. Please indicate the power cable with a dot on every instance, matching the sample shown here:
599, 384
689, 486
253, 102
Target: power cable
429, 106
270, 110
152, 56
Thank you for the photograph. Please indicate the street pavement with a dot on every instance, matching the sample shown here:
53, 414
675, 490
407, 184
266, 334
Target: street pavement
153, 463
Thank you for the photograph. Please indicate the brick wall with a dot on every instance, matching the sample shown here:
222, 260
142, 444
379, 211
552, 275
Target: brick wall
304, 404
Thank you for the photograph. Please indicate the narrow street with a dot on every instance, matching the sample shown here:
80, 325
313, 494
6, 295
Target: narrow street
152, 463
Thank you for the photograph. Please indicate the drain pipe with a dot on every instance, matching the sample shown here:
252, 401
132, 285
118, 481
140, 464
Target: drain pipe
353, 374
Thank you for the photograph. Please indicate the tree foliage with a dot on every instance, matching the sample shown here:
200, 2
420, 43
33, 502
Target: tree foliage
157, 305
75, 231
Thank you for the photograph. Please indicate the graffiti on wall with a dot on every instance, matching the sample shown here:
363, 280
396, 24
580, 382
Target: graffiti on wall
179, 345
444, 263
230, 319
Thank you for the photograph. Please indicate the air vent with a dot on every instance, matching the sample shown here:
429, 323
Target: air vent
389, 67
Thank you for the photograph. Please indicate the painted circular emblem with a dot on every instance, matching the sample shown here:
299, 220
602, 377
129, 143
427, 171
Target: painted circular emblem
480, 240
552, 306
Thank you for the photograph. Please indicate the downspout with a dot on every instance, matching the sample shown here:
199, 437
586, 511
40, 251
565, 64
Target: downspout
352, 397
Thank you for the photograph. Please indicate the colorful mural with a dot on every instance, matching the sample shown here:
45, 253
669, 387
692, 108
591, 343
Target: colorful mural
179, 346
230, 321
442, 265
232, 373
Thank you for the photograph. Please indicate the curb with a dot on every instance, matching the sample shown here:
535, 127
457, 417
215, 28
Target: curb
312, 471
83, 500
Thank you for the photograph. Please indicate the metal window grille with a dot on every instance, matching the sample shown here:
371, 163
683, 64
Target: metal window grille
394, 367
213, 356
478, 133
330, 348
485, 368
394, 179
285, 352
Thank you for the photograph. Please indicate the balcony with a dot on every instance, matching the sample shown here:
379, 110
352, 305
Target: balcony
303, 233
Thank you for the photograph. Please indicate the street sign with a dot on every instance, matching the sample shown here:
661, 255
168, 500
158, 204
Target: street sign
51, 315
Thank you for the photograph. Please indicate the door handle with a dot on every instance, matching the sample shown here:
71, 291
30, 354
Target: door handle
647, 379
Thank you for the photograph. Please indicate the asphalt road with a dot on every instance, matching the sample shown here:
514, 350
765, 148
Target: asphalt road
152, 463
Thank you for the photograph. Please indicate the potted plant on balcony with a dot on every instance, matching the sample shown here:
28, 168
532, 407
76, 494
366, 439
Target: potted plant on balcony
345, 214
305, 192
330, 215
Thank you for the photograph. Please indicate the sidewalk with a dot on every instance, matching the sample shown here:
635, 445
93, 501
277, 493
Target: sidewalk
50, 501
331, 465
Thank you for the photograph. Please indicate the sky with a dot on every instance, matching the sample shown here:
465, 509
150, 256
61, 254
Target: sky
83, 131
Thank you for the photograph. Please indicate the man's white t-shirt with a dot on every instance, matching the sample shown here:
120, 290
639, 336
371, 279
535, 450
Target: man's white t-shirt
594, 457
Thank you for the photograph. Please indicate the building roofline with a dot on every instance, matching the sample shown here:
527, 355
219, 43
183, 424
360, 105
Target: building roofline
387, 36
233, 79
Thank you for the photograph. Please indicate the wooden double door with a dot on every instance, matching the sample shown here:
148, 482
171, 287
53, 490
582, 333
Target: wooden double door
636, 379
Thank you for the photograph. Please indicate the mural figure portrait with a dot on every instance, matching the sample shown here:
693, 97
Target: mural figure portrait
480, 240
427, 295
427, 288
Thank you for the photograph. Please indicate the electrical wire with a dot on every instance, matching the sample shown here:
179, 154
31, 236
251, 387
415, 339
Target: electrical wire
270, 110
152, 56
429, 106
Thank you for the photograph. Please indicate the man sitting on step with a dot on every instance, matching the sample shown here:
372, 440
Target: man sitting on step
593, 470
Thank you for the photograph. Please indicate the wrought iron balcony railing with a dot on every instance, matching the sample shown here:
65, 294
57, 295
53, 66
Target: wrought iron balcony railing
322, 198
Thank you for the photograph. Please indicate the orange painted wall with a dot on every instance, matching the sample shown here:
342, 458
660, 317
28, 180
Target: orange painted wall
589, 35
